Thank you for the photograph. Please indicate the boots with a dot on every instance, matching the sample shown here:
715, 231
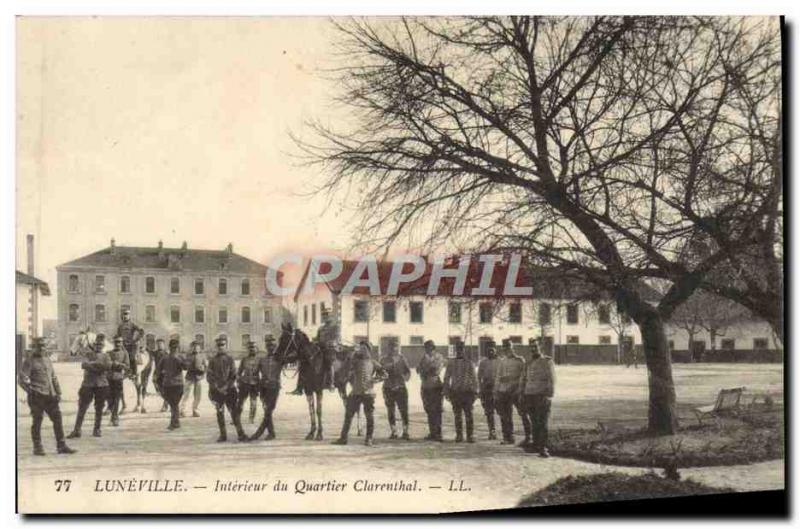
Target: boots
223, 433
470, 429
405, 436
38, 449
64, 449
459, 430
271, 428
490, 423
394, 431
252, 412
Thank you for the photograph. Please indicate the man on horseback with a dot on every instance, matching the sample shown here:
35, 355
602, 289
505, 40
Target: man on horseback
328, 342
93, 388
221, 377
130, 334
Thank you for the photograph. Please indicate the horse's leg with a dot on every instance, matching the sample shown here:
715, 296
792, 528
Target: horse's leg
319, 414
310, 400
135, 381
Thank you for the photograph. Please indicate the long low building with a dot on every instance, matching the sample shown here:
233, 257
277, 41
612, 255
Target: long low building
182, 293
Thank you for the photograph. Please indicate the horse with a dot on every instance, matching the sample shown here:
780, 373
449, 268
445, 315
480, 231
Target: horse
294, 346
84, 343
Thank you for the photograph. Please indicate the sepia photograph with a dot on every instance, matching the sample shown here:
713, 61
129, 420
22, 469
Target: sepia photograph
398, 264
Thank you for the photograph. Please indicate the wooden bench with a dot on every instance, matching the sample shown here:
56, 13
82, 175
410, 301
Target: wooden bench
728, 401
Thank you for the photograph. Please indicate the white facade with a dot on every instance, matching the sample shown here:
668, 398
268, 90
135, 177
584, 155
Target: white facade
744, 335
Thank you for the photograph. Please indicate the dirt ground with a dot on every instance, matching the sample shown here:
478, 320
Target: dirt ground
450, 476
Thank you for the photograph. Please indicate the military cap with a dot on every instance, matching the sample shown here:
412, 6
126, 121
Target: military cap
221, 339
118, 339
429, 342
174, 342
100, 338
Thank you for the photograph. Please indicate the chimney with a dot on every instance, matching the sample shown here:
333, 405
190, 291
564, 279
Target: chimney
184, 246
161, 249
229, 248
31, 269
113, 246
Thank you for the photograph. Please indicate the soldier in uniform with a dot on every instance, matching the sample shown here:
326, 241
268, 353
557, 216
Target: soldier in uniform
395, 393
487, 369
93, 388
364, 372
169, 377
130, 334
247, 379
537, 389
460, 386
428, 369
120, 364
221, 378
269, 384
195, 370
506, 393
40, 382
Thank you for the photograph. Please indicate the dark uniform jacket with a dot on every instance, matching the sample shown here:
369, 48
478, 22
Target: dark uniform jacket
37, 375
539, 377
460, 377
509, 373
169, 371
269, 371
487, 370
248, 370
195, 367
120, 364
429, 368
397, 371
95, 370
221, 372
328, 335
130, 333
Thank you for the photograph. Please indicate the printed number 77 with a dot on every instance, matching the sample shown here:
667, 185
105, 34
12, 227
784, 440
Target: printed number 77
63, 484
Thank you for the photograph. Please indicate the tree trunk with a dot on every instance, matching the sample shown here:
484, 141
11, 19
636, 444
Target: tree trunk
662, 416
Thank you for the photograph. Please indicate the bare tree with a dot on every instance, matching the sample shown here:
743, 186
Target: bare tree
593, 145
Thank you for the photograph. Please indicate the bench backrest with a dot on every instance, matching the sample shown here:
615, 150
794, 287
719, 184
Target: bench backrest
728, 399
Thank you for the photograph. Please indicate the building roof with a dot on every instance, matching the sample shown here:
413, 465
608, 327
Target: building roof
30, 280
181, 259
547, 283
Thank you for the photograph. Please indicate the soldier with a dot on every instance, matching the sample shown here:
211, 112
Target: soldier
247, 379
130, 334
506, 393
39, 381
269, 383
428, 369
537, 389
94, 387
460, 386
169, 377
394, 389
120, 364
156, 356
487, 370
221, 377
195, 369
364, 371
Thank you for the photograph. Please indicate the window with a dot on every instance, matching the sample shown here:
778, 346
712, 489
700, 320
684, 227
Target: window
100, 284
360, 311
545, 314
150, 341
389, 312
74, 285
728, 344
604, 314
245, 314
175, 285
572, 313
245, 287
122, 309
199, 314
125, 284
416, 340
760, 343
313, 314
515, 313
100, 312
604, 340
150, 313
321, 308
454, 312
223, 286
305, 315
485, 312
74, 312
201, 340
267, 315
150, 285
175, 314
452, 341
245, 340
573, 340
415, 310
223, 315
515, 340
199, 287
671, 345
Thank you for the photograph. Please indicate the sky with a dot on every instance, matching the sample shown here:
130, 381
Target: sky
173, 129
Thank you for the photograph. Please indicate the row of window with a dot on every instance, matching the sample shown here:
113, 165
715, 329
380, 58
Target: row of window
486, 312
394, 341
150, 340
173, 313
759, 344
74, 285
